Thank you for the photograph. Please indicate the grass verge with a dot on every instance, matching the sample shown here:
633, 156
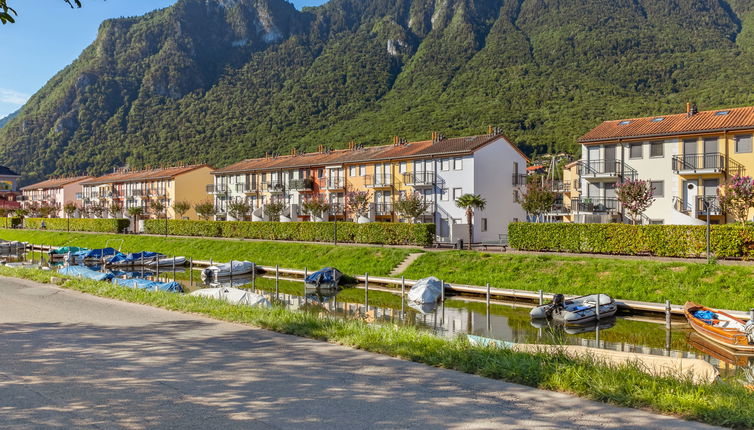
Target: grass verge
720, 403
714, 285
349, 259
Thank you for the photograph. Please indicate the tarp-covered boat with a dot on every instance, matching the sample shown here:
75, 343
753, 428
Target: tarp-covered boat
94, 254
234, 296
226, 270
579, 310
134, 259
427, 290
168, 262
720, 327
12, 247
60, 253
324, 279
85, 273
146, 284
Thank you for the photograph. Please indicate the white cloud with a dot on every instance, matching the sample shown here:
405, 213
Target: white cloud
13, 97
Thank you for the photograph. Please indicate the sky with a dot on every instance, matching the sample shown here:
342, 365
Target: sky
48, 35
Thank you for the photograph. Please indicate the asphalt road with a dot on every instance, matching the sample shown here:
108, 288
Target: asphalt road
69, 360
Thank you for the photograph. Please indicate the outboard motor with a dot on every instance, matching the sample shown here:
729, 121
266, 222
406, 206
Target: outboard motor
558, 303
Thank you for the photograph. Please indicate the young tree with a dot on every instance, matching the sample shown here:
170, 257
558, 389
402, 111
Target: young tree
316, 206
7, 12
273, 210
4, 212
84, 210
636, 196
180, 208
736, 197
97, 209
70, 209
412, 206
46, 211
239, 209
157, 207
135, 212
115, 209
471, 202
357, 202
205, 210
537, 199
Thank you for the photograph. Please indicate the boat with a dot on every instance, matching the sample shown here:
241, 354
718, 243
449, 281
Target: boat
146, 284
579, 310
168, 262
13, 247
423, 308
324, 279
486, 342
426, 290
719, 351
720, 327
226, 269
592, 326
234, 296
134, 259
60, 253
85, 273
91, 255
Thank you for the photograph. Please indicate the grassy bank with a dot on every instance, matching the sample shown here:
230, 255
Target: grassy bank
720, 403
729, 287
349, 259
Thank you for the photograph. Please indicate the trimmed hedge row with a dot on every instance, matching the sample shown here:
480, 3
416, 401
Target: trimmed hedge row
348, 232
726, 241
118, 225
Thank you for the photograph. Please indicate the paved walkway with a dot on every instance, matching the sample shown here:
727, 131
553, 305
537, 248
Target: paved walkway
405, 263
69, 360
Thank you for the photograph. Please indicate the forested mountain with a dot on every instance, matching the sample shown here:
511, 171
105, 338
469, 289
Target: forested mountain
223, 80
7, 119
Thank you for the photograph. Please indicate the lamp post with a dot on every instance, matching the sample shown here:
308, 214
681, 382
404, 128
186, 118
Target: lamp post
707, 204
166, 219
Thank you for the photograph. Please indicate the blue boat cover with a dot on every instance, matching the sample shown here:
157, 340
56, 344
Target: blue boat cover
85, 272
706, 316
146, 284
66, 250
327, 275
97, 253
134, 257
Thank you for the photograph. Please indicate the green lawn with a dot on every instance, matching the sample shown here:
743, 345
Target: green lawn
728, 287
352, 260
720, 403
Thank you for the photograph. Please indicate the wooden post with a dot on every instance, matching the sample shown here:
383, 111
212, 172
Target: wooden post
667, 315
231, 273
403, 297
366, 292
442, 291
158, 263
191, 272
277, 281
597, 311
542, 298
488, 294
254, 275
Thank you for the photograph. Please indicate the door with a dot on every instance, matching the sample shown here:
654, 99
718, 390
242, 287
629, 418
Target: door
689, 195
690, 153
610, 164
711, 156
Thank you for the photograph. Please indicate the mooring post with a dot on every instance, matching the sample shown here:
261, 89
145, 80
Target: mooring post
403, 298
158, 263
442, 291
751, 314
488, 295
306, 275
597, 310
366, 292
231, 273
254, 275
667, 314
157, 269
541, 297
191, 272
277, 280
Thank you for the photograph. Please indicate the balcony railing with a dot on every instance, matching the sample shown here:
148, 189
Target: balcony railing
217, 189
594, 204
519, 179
335, 183
607, 169
559, 209
306, 184
136, 193
714, 162
560, 186
337, 209
274, 186
383, 208
708, 204
419, 179
384, 180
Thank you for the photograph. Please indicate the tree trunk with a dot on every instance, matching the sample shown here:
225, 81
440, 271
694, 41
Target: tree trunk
469, 219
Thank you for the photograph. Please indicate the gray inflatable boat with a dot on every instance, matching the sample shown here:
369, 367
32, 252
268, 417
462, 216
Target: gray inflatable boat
579, 310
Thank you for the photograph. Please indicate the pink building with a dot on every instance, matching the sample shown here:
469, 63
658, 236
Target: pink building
54, 192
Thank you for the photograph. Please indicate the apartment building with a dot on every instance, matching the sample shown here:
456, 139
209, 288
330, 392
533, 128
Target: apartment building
9, 195
55, 192
439, 169
686, 157
138, 188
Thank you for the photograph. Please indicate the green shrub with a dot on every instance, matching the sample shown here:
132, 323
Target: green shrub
348, 232
79, 224
726, 241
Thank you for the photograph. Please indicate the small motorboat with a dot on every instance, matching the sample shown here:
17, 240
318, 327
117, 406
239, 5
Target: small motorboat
602, 324
234, 296
427, 290
134, 259
227, 269
720, 327
146, 284
579, 310
85, 273
168, 262
325, 279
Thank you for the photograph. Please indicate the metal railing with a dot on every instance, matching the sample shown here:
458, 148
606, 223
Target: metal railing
559, 186
274, 186
217, 188
418, 179
302, 184
337, 209
594, 204
713, 161
559, 208
335, 183
705, 204
384, 180
383, 208
607, 168
520, 179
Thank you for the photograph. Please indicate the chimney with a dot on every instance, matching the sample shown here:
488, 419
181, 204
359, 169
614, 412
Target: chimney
688, 108
293, 151
321, 148
396, 140
434, 136
489, 129
691, 109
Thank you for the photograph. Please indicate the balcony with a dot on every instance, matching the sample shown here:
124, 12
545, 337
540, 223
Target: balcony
559, 209
520, 179
610, 170
157, 193
378, 181
713, 163
306, 184
217, 189
708, 204
383, 208
419, 179
247, 188
275, 186
135, 193
337, 209
560, 186
336, 183
594, 205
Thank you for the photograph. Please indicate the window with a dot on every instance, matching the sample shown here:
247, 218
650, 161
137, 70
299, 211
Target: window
659, 188
320, 174
352, 171
743, 143
484, 224
656, 149
657, 221
363, 170
445, 164
458, 163
403, 166
658, 119
722, 112
635, 150
624, 123
444, 194
457, 192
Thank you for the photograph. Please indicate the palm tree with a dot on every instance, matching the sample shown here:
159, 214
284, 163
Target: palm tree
471, 202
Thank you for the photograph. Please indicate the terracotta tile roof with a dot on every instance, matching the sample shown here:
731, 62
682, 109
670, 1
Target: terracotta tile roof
54, 183
426, 148
143, 175
670, 125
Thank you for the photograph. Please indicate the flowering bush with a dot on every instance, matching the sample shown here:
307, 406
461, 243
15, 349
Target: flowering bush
736, 197
636, 196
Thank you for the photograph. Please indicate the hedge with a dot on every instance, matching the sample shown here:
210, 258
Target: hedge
118, 225
348, 232
726, 241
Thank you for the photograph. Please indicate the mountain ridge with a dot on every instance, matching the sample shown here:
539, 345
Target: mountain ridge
220, 81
